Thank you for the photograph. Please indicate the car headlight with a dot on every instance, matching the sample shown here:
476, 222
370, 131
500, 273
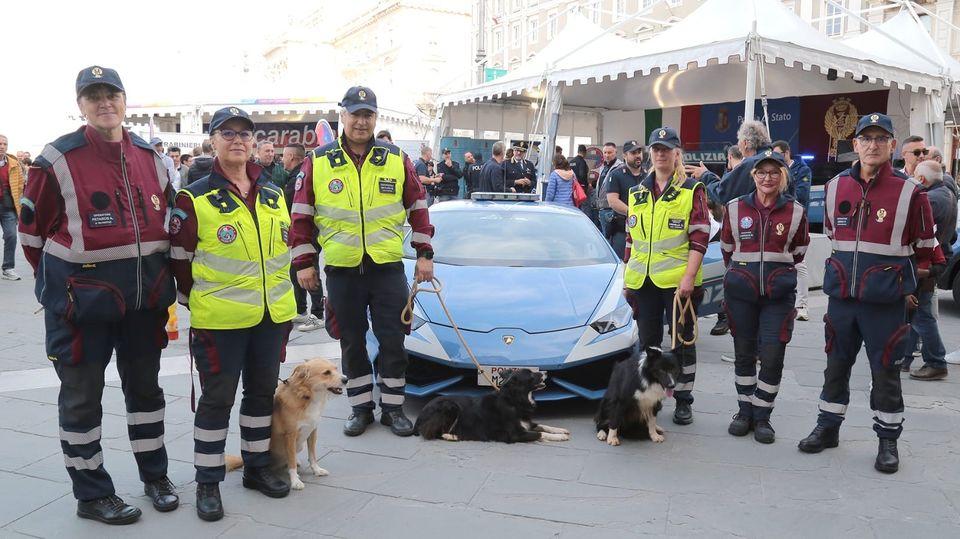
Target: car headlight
616, 319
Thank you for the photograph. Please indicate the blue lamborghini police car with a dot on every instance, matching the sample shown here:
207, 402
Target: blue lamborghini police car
530, 284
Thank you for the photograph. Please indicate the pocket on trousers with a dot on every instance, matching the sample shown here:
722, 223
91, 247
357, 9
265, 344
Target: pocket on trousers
93, 301
882, 283
64, 341
741, 284
786, 328
730, 322
829, 335
835, 281
781, 282
204, 351
330, 320
896, 345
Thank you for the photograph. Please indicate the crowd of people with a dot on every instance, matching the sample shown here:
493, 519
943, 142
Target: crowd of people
117, 229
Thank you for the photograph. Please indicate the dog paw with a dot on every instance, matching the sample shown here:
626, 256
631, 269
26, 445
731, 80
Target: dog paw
296, 484
565, 432
658, 438
659, 429
601, 435
613, 440
318, 471
450, 437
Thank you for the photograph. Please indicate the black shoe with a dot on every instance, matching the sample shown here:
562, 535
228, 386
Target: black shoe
821, 438
209, 504
109, 510
763, 431
722, 327
357, 422
888, 459
263, 480
740, 425
682, 414
163, 494
397, 421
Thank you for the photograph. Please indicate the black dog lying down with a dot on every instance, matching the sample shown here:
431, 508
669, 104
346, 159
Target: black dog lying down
630, 405
502, 416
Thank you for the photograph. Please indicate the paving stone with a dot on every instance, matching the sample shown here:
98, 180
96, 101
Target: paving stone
18, 449
22, 495
317, 508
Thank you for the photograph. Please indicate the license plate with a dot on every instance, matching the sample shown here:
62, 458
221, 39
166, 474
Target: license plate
495, 374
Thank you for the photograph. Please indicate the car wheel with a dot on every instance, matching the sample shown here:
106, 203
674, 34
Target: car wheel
956, 288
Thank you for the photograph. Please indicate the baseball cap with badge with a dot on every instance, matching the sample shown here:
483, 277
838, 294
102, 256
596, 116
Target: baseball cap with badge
93, 75
631, 145
875, 119
359, 98
228, 113
664, 136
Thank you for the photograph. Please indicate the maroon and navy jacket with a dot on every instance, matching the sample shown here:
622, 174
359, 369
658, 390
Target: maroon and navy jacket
761, 247
93, 226
879, 230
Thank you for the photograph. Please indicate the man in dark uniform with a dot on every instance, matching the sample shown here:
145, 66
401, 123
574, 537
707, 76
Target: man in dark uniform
521, 173
92, 226
881, 228
471, 173
622, 180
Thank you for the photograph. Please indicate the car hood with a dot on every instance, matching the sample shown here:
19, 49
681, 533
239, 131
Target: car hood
484, 298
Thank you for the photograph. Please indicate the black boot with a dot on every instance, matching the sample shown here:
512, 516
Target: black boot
163, 494
357, 422
397, 421
682, 414
722, 327
888, 459
741, 425
821, 438
263, 480
109, 510
209, 504
763, 431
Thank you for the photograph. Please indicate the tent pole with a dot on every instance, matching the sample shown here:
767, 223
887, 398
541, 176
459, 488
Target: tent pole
751, 89
552, 106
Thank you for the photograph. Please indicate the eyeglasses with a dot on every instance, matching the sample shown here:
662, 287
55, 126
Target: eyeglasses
878, 140
773, 174
230, 134
918, 153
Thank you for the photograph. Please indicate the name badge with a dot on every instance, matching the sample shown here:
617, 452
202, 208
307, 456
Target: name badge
387, 186
746, 235
842, 221
677, 224
101, 219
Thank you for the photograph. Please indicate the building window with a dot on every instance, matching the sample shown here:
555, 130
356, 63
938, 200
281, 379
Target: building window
833, 21
619, 9
497, 7
497, 41
533, 30
552, 25
517, 4
595, 12
648, 3
674, 3
515, 34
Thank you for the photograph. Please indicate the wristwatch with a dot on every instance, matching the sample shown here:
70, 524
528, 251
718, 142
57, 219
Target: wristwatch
426, 254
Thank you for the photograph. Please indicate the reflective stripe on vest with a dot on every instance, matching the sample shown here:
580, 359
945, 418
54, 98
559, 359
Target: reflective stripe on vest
359, 213
660, 233
895, 247
241, 266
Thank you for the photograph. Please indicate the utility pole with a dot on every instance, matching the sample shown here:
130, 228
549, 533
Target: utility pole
481, 59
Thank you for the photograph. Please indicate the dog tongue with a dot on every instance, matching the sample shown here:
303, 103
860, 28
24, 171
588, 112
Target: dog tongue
669, 393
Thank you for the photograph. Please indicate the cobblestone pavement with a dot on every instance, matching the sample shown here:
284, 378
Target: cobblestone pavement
701, 481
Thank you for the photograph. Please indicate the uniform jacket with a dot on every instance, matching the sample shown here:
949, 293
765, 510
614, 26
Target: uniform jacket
493, 177
879, 230
761, 246
800, 178
92, 226
450, 185
516, 170
471, 176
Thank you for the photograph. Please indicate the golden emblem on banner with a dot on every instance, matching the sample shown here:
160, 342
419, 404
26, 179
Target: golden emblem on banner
839, 122
780, 229
881, 215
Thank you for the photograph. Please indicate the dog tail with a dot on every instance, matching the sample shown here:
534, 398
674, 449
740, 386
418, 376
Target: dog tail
233, 462
439, 419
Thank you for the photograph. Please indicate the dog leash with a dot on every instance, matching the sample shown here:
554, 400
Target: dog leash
682, 307
407, 318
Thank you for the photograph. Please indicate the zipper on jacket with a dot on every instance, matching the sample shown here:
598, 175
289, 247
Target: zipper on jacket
263, 264
763, 244
363, 238
136, 228
143, 207
856, 246
123, 217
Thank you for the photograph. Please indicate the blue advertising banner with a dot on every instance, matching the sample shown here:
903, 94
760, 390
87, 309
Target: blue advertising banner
719, 122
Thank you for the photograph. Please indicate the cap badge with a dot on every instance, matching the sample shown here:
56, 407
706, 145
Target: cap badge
362, 94
881, 215
874, 118
780, 229
234, 111
769, 153
662, 133
96, 72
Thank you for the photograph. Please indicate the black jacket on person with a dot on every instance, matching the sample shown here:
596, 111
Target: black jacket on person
471, 176
736, 183
493, 178
450, 185
290, 185
943, 202
581, 170
202, 166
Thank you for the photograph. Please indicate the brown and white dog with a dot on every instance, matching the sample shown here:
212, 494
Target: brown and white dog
297, 407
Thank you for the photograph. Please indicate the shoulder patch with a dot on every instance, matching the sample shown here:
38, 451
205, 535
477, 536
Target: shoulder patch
336, 158
138, 141
198, 188
70, 141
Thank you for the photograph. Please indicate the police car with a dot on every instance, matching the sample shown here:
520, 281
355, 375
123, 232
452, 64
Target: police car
530, 284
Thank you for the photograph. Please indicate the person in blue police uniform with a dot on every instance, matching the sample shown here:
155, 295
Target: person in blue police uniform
521, 173
229, 248
764, 237
92, 226
881, 227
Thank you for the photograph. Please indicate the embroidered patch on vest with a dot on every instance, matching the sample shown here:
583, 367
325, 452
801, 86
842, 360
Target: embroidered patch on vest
746, 222
632, 222
335, 185
226, 234
156, 202
780, 229
387, 186
100, 219
299, 184
676, 224
176, 223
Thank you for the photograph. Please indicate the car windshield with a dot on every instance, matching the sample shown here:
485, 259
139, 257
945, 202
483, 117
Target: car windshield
492, 237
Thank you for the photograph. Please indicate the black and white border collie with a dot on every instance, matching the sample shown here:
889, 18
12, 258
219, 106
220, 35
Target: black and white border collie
633, 398
501, 416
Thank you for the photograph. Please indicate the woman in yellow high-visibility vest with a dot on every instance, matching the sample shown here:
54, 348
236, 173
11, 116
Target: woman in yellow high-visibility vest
668, 228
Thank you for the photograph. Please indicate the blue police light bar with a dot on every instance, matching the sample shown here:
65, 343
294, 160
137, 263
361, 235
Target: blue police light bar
512, 197
807, 157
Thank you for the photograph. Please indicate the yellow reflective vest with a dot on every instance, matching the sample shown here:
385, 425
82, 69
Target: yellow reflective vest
659, 233
241, 266
359, 213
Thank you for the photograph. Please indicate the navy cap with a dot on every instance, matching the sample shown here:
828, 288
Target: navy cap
664, 136
631, 145
875, 119
228, 113
359, 98
769, 155
155, 140
521, 145
92, 75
